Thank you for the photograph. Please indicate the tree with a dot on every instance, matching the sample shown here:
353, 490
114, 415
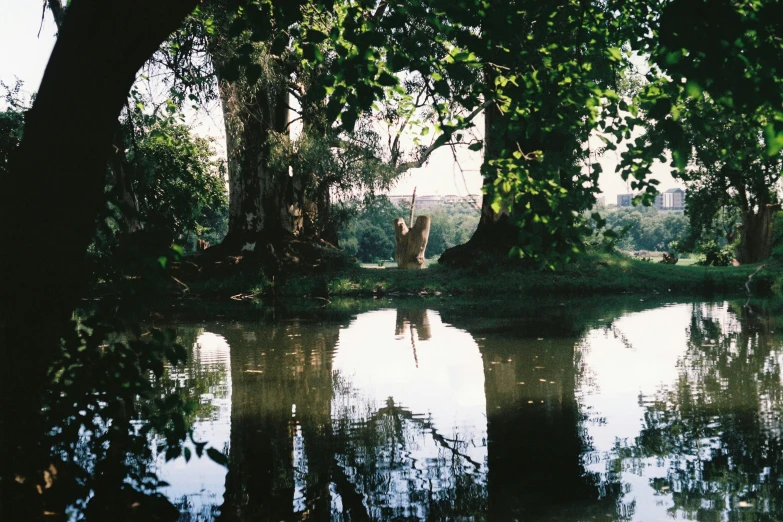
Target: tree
726, 165
11, 125
59, 170
713, 101
177, 181
374, 245
646, 228
120, 168
732, 168
546, 91
545, 101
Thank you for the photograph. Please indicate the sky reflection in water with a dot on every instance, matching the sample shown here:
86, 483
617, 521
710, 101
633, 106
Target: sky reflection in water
414, 414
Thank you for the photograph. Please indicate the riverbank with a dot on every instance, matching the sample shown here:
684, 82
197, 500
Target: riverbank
595, 273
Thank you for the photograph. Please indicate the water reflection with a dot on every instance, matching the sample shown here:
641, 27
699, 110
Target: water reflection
197, 486
410, 416
416, 414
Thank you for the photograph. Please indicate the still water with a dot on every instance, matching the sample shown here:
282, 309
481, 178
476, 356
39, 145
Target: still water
415, 411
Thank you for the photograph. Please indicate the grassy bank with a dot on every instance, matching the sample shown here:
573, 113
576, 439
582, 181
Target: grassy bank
590, 274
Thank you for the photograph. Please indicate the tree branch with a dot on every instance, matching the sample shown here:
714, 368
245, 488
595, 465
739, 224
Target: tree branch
58, 12
442, 140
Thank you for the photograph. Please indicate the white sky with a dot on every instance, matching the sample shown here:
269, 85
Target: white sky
24, 54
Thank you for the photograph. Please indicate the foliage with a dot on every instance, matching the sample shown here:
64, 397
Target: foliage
711, 99
11, 123
730, 175
715, 254
111, 403
646, 228
547, 73
374, 245
179, 185
551, 89
777, 230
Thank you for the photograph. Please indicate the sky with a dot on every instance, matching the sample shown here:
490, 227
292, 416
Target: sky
24, 53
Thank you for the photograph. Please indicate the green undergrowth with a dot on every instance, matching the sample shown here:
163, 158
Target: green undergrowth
595, 273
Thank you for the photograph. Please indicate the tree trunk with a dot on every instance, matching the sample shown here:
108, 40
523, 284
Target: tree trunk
120, 168
123, 184
756, 236
495, 232
53, 194
411, 243
319, 221
265, 201
494, 227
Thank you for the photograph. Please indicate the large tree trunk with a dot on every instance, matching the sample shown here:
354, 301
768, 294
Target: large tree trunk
53, 194
756, 235
265, 201
496, 232
121, 170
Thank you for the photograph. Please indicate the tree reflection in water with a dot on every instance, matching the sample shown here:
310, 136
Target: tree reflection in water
198, 484
719, 426
388, 419
413, 414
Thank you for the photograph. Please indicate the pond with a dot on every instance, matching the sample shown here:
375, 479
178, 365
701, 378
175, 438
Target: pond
425, 410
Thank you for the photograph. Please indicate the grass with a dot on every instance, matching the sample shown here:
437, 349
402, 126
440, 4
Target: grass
690, 261
596, 273
590, 274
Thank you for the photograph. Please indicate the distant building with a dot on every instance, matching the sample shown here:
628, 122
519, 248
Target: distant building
428, 201
600, 201
399, 199
673, 199
624, 200
425, 201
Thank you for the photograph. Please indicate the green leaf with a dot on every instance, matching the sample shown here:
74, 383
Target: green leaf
693, 89
315, 36
333, 108
279, 45
349, 119
774, 140
387, 80
254, 72
614, 54
680, 159
217, 456
476, 146
600, 222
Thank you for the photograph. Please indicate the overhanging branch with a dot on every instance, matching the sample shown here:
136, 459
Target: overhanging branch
442, 140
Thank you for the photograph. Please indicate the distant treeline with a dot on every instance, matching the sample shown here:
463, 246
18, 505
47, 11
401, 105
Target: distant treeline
369, 234
647, 228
